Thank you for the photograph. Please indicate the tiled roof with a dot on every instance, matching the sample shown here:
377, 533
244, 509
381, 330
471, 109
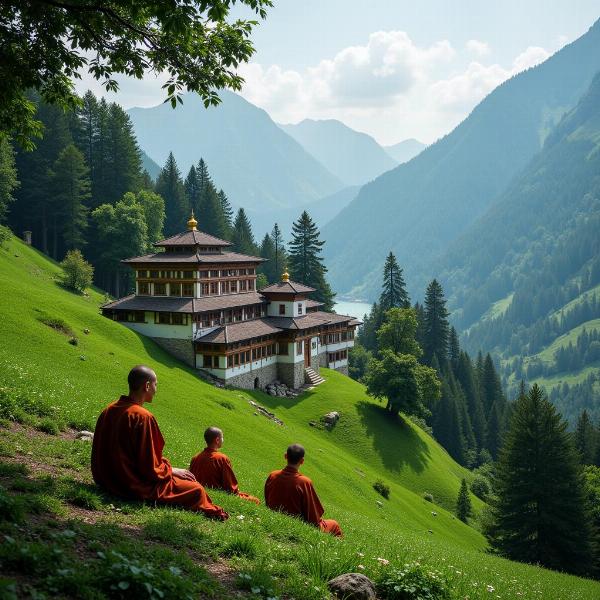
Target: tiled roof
194, 258
312, 304
287, 287
312, 319
185, 305
193, 238
237, 332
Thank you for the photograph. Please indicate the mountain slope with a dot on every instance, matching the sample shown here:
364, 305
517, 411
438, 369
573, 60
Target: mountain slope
258, 165
525, 278
149, 165
352, 156
419, 208
406, 150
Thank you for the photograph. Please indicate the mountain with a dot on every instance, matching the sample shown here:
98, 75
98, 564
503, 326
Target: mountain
259, 166
353, 157
403, 151
419, 208
525, 278
149, 165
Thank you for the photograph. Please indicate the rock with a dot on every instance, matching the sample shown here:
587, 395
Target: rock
433, 513
86, 331
352, 586
82, 357
331, 418
430, 531
85, 436
379, 503
312, 423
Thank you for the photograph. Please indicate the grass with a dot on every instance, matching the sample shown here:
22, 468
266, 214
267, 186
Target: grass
37, 366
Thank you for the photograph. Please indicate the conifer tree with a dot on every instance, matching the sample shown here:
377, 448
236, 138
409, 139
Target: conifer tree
394, 293
466, 377
495, 429
420, 334
436, 327
192, 191
304, 260
267, 251
279, 253
453, 348
447, 427
8, 177
243, 238
71, 191
491, 386
586, 437
170, 187
367, 334
540, 513
227, 213
463, 503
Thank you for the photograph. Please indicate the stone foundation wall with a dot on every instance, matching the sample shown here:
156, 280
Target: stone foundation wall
292, 374
265, 375
181, 349
323, 359
343, 370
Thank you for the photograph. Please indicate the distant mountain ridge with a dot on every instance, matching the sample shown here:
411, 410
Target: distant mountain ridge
354, 157
405, 150
419, 208
258, 165
150, 166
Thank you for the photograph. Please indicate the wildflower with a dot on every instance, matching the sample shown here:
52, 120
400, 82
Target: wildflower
383, 561
361, 567
361, 554
490, 588
241, 517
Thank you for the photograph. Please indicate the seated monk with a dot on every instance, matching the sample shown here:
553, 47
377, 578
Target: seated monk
290, 492
213, 468
127, 458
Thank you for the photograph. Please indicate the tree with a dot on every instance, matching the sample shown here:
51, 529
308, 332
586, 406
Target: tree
71, 191
192, 191
466, 377
154, 213
453, 347
77, 272
436, 327
358, 360
279, 253
267, 251
540, 513
227, 214
8, 177
305, 261
243, 238
586, 438
397, 333
447, 423
463, 502
394, 293
170, 187
49, 43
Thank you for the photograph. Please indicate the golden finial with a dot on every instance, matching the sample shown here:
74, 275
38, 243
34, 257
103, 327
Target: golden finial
285, 277
192, 223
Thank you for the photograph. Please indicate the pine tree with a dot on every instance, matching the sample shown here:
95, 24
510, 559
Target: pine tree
420, 334
491, 387
394, 293
463, 503
436, 324
243, 238
279, 253
8, 177
367, 334
71, 191
586, 438
304, 260
453, 348
447, 427
267, 252
495, 429
227, 212
192, 191
540, 513
466, 377
170, 187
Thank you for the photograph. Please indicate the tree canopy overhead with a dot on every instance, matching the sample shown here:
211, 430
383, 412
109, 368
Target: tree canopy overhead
49, 43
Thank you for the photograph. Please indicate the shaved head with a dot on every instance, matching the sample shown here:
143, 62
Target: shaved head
212, 434
295, 453
138, 376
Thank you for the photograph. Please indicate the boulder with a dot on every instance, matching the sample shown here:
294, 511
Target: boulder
85, 436
352, 586
331, 418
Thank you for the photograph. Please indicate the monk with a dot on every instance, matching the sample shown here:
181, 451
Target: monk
127, 458
213, 468
290, 492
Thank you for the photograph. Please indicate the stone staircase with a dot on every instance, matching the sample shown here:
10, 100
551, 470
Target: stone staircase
312, 377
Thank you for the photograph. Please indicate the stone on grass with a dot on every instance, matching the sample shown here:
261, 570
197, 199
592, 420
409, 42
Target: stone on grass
352, 586
86, 331
85, 436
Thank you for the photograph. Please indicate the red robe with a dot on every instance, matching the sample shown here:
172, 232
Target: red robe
213, 469
127, 461
290, 492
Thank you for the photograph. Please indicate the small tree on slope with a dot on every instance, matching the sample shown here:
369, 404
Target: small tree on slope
463, 503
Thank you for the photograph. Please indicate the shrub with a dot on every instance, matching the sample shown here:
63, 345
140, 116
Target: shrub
73, 341
427, 496
11, 508
227, 404
241, 545
85, 499
48, 426
56, 324
382, 488
481, 487
413, 582
5, 235
77, 272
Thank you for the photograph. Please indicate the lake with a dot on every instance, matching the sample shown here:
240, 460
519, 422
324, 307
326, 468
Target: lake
353, 309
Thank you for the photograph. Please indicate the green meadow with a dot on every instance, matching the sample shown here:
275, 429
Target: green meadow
41, 366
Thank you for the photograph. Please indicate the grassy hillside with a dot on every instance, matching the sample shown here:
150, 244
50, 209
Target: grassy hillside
39, 367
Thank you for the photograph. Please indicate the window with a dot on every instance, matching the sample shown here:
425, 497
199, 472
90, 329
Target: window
144, 289
160, 289
207, 364
137, 316
233, 287
175, 289
214, 288
142, 274
282, 309
187, 289
251, 284
205, 289
254, 353
154, 274
299, 308
178, 319
203, 274
214, 273
282, 348
243, 285
164, 318
298, 348
230, 361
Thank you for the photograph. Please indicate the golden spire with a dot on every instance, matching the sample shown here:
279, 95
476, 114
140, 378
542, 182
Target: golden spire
285, 277
192, 223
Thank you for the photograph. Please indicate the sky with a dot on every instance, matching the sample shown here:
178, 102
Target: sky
392, 69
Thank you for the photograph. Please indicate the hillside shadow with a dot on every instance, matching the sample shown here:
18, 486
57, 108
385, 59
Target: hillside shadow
394, 440
274, 402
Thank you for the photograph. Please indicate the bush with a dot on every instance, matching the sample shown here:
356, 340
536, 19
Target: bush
481, 487
77, 272
11, 508
227, 404
73, 341
48, 426
5, 235
382, 488
55, 323
413, 582
427, 496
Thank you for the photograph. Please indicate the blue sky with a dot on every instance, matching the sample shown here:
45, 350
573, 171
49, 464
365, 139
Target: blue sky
391, 69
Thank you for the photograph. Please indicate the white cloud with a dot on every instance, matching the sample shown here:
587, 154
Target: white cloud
478, 47
534, 55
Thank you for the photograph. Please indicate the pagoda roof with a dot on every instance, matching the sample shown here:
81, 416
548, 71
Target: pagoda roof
192, 238
237, 332
287, 287
185, 305
193, 258
309, 320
